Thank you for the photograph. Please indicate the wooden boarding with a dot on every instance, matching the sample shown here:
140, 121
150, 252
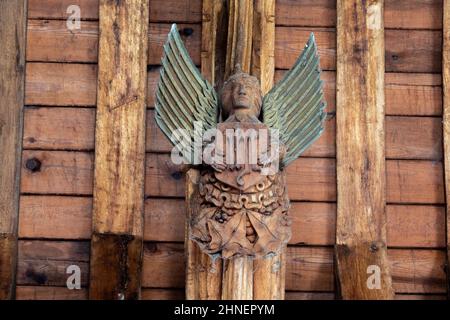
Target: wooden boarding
310, 179
160, 10
118, 190
406, 50
446, 122
410, 94
61, 293
308, 268
313, 223
203, 275
398, 14
360, 156
55, 84
12, 80
52, 41
52, 128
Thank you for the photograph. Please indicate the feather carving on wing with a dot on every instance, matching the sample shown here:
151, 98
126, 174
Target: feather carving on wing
242, 209
183, 96
295, 106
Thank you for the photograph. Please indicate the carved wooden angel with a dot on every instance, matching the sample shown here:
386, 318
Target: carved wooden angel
243, 206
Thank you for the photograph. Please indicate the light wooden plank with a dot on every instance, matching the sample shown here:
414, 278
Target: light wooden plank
160, 10
446, 122
118, 203
310, 269
406, 50
52, 41
398, 14
12, 79
313, 223
53, 128
361, 184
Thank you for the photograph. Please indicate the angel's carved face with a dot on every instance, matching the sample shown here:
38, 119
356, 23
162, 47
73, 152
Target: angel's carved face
241, 94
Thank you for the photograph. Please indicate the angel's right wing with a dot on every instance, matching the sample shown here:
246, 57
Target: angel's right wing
295, 106
183, 96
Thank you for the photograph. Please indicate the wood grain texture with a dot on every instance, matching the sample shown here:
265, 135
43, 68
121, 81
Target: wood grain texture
446, 122
406, 50
398, 14
269, 273
214, 41
313, 223
50, 293
52, 41
12, 79
239, 41
237, 272
361, 184
309, 269
263, 43
308, 179
59, 84
160, 10
203, 274
53, 128
118, 193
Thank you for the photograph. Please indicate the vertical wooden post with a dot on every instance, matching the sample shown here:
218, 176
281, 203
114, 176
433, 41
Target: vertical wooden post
361, 232
203, 275
12, 78
446, 120
239, 45
116, 245
237, 282
269, 273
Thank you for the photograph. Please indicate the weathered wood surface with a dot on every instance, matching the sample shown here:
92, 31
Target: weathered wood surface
308, 268
313, 223
398, 14
263, 43
203, 274
12, 80
309, 179
360, 150
214, 39
56, 84
52, 128
269, 273
51, 40
446, 122
160, 10
118, 191
61, 293
406, 50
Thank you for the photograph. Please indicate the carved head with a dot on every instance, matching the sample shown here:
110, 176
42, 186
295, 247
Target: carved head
241, 95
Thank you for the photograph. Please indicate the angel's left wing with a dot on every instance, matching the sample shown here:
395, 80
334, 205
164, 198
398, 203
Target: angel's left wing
183, 97
295, 106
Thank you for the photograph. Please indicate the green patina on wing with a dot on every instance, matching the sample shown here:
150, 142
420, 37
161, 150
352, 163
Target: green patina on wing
183, 96
295, 106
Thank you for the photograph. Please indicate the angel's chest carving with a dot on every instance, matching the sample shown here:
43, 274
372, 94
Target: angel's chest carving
242, 150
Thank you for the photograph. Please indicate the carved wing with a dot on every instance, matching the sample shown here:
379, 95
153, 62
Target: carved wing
295, 106
183, 96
